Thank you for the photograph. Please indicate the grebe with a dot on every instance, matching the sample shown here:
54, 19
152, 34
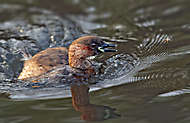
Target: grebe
76, 57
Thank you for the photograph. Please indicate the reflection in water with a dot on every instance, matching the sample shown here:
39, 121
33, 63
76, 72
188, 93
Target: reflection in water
90, 112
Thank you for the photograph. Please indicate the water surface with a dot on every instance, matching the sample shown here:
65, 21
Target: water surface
146, 81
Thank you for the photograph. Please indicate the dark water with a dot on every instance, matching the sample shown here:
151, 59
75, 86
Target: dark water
146, 81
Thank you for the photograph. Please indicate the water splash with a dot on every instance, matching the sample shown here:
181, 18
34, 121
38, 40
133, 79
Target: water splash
119, 69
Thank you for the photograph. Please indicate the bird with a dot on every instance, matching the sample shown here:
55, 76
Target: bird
77, 57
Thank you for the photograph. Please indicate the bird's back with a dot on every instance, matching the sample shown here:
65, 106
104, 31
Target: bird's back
43, 62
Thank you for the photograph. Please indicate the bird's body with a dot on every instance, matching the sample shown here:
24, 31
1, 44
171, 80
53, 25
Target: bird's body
44, 61
76, 58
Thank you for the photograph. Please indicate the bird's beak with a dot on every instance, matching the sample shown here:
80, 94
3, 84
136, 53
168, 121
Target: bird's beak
107, 47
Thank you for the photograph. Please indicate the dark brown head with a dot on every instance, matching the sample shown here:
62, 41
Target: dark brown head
84, 47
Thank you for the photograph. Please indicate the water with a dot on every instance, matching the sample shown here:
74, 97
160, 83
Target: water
146, 81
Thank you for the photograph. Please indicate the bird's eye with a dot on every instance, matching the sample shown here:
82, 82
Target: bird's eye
93, 44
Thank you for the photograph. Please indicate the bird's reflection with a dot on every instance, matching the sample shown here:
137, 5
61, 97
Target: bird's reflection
90, 112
